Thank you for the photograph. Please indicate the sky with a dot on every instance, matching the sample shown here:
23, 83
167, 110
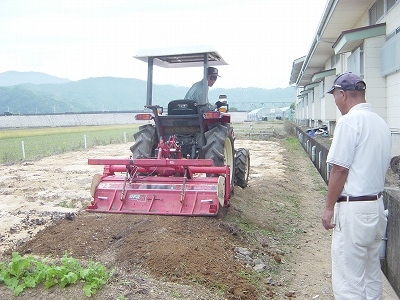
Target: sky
79, 39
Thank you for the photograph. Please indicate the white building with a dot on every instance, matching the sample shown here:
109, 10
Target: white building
361, 36
269, 114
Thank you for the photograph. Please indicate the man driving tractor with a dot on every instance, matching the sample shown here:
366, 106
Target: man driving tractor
196, 92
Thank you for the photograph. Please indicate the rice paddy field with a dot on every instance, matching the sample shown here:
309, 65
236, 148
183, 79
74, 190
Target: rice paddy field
17, 145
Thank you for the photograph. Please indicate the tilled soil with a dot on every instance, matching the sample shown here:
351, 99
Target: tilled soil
276, 219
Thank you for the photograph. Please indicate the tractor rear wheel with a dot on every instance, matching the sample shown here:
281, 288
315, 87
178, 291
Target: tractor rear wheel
219, 147
242, 167
145, 142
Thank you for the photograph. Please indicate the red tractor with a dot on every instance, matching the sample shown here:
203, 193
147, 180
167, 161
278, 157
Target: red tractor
184, 162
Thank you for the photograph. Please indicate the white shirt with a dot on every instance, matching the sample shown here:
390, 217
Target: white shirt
362, 144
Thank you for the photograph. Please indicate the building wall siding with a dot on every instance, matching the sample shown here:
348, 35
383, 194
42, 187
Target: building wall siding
376, 84
393, 111
393, 86
393, 100
392, 19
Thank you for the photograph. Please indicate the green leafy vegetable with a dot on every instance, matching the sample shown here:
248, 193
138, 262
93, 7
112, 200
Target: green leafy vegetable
28, 272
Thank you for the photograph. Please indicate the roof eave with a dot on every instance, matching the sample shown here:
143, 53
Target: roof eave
349, 39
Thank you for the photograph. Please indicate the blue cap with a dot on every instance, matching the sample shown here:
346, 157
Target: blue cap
348, 82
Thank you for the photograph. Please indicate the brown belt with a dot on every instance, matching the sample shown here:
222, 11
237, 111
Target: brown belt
360, 198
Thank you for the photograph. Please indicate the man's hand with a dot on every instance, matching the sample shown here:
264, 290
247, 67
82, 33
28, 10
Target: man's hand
336, 183
327, 219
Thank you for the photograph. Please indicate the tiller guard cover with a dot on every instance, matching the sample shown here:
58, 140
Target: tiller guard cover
189, 187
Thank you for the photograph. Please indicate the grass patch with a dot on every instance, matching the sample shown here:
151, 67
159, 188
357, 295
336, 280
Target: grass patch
255, 278
175, 294
245, 225
66, 204
41, 142
219, 287
292, 144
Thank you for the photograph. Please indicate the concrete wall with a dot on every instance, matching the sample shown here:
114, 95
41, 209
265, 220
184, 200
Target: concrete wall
390, 265
316, 151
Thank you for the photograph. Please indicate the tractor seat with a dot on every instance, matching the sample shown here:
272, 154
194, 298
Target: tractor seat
182, 107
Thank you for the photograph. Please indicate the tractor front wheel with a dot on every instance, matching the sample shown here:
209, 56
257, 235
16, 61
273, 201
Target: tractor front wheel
219, 147
242, 167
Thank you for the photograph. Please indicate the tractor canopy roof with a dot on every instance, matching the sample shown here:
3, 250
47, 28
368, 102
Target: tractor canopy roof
181, 57
178, 58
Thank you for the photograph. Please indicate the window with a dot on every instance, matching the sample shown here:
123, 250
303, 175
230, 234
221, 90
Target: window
390, 4
321, 89
372, 15
362, 60
334, 60
376, 12
355, 62
380, 11
390, 56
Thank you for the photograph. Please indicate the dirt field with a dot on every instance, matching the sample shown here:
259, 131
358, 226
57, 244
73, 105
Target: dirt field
273, 226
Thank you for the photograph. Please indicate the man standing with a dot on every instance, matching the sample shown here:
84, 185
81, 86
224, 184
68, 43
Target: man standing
359, 157
196, 92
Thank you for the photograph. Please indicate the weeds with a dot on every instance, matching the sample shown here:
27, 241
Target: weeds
66, 204
175, 294
289, 127
255, 278
245, 225
221, 288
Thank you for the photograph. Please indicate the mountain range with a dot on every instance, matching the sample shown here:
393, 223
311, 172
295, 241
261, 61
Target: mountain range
13, 78
39, 93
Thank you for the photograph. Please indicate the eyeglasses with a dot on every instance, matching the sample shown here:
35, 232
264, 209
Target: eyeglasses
213, 78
